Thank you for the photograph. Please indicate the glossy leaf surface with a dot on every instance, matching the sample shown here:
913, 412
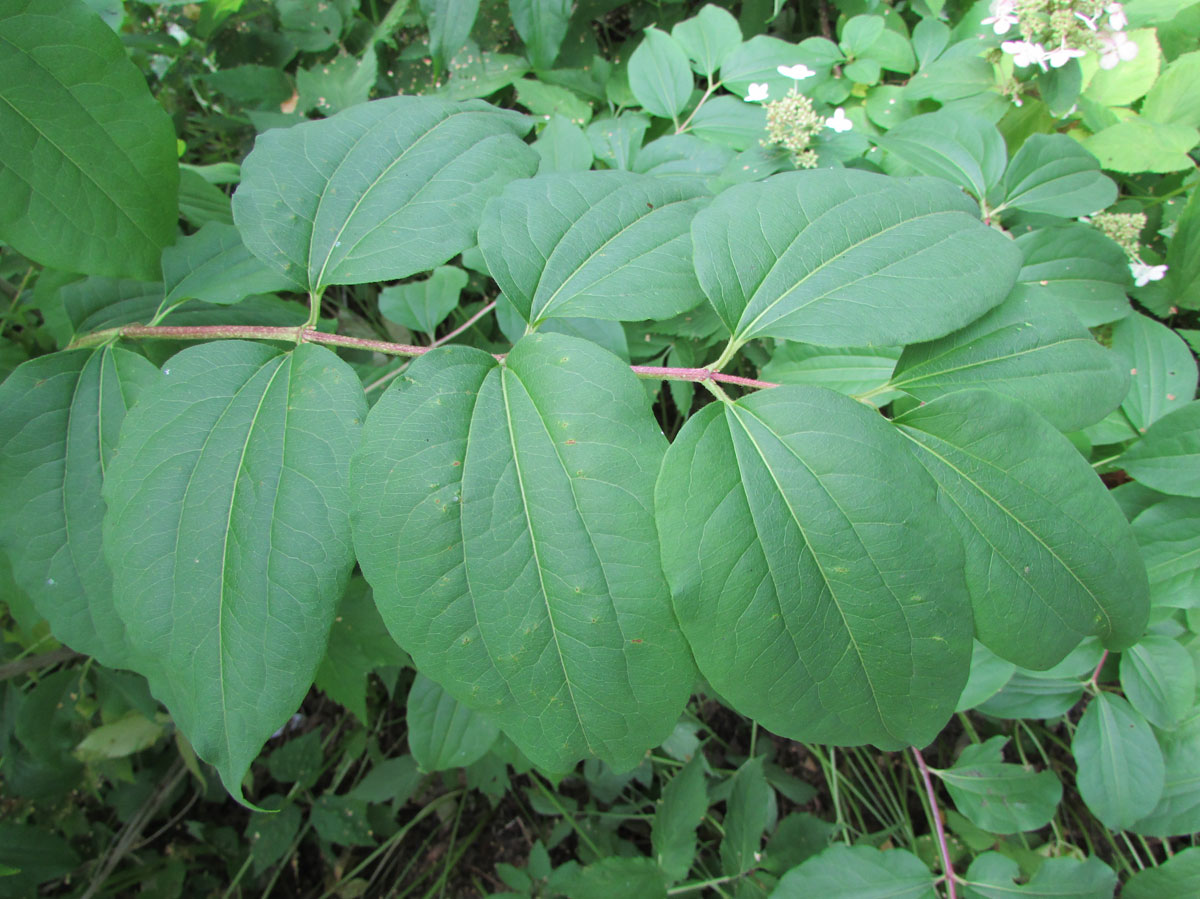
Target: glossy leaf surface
819, 586
90, 170
1044, 540
1029, 351
378, 192
838, 257
60, 416
608, 245
228, 533
503, 516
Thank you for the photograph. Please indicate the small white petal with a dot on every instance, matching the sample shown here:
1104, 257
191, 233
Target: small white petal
838, 121
798, 72
756, 93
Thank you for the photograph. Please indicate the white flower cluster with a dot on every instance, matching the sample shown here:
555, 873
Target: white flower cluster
1099, 26
759, 93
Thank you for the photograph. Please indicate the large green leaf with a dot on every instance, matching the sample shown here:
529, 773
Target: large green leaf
1044, 540
1169, 536
1076, 266
89, 170
858, 872
381, 191
1178, 809
59, 420
840, 257
503, 516
1161, 366
708, 38
659, 74
542, 25
1167, 458
994, 876
450, 23
1119, 766
997, 796
848, 370
819, 585
228, 533
963, 148
1052, 173
1029, 351
1179, 875
1159, 680
609, 245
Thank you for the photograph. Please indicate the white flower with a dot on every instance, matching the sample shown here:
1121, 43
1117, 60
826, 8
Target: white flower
1117, 48
756, 93
798, 72
1090, 23
838, 121
1143, 274
1026, 53
1117, 20
1003, 15
1060, 57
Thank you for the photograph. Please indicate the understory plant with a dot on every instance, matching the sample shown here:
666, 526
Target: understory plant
778, 382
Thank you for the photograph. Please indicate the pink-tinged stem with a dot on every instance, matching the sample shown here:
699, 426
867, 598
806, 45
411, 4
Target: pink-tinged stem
309, 335
1095, 681
939, 828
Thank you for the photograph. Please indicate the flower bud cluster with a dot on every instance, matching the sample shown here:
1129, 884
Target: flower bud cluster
1053, 32
792, 123
1125, 228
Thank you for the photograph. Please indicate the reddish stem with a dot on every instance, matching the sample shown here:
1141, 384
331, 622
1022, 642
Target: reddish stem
938, 827
1095, 681
696, 374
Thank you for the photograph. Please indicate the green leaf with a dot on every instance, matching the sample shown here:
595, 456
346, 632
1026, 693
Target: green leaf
683, 155
1167, 458
450, 23
423, 305
680, 810
551, 100
1025, 350
999, 797
90, 172
40, 855
746, 813
502, 514
848, 370
542, 25
1162, 369
130, 733
442, 733
1183, 259
1053, 174
1127, 82
758, 60
341, 83
1169, 536
608, 245
60, 416
1026, 696
1044, 540
989, 674
312, 25
1076, 266
616, 141
1140, 145
201, 202
1158, 678
708, 38
859, 33
659, 75
615, 876
1173, 99
730, 122
228, 534
475, 73
957, 74
358, 644
93, 304
838, 257
563, 147
1118, 765
214, 265
1179, 875
342, 820
378, 192
817, 581
858, 872
1178, 810
270, 836
994, 876
965, 149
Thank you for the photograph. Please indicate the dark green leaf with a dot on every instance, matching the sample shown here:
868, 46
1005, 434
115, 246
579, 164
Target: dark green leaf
1169, 536
838, 257
683, 804
542, 25
820, 586
962, 148
423, 305
1026, 696
378, 192
1052, 173
1179, 875
563, 147
60, 416
502, 514
229, 536
342, 820
214, 265
1000, 797
90, 172
1162, 369
1178, 811
1159, 680
1167, 458
1044, 540
450, 23
271, 835
708, 38
858, 872
1076, 266
848, 370
615, 876
994, 876
442, 733
1119, 766
608, 245
659, 74
746, 812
